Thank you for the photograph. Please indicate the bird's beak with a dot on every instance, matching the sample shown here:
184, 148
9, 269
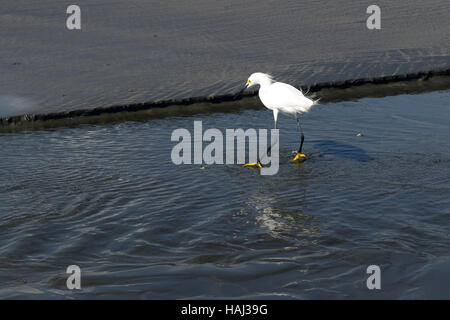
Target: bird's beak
242, 89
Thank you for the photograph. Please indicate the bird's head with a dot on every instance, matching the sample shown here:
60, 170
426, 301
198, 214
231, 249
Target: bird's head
254, 79
258, 78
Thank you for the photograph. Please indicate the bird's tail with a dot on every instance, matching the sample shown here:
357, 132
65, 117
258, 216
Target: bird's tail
315, 101
312, 102
311, 97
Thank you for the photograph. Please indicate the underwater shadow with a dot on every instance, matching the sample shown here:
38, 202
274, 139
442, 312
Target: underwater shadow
341, 150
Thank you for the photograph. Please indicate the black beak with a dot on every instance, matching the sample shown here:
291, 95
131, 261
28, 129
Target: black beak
239, 93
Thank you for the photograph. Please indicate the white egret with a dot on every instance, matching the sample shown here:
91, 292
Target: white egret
280, 97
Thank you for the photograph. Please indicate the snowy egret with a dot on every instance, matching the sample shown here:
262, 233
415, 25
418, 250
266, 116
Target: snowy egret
280, 97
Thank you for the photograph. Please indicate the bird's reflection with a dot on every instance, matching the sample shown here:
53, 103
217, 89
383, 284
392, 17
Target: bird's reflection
278, 216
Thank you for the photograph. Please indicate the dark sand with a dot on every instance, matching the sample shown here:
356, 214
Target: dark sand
326, 92
136, 51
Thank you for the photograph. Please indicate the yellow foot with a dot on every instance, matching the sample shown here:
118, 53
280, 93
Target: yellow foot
298, 156
257, 164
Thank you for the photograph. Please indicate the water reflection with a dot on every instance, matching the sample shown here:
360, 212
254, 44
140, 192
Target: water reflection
279, 215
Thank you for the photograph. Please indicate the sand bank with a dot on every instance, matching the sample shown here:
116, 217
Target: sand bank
418, 82
129, 52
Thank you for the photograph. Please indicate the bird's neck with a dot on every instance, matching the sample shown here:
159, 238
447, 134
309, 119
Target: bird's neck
265, 83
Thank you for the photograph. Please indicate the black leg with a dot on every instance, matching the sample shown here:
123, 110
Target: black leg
302, 139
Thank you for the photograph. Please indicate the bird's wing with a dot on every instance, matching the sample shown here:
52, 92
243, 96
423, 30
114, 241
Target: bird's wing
285, 95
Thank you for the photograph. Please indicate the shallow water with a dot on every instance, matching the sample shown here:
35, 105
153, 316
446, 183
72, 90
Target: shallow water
108, 199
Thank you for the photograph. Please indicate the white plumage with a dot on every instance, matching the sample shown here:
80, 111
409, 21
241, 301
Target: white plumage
284, 97
279, 96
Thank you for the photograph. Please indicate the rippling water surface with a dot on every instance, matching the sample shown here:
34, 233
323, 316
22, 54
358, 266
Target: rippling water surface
108, 199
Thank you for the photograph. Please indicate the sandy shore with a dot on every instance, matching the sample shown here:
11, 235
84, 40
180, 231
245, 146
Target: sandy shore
136, 51
411, 83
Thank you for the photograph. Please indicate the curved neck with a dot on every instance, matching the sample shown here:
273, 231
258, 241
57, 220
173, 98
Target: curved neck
264, 82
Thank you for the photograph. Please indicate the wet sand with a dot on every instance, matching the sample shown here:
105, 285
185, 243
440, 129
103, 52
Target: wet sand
138, 51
